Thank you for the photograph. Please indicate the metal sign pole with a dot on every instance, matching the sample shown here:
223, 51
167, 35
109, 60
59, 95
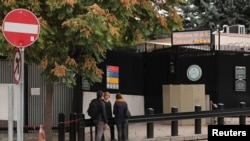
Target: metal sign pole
21, 98
19, 113
10, 114
22, 92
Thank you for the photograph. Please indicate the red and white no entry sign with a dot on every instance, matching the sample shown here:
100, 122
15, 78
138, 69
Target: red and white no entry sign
21, 27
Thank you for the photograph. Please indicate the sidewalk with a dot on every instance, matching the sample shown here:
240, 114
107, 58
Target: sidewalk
162, 132
138, 132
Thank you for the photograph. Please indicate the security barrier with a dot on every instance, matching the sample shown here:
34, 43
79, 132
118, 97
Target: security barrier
74, 128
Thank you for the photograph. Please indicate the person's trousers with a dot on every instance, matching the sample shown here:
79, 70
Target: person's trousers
99, 130
112, 131
122, 130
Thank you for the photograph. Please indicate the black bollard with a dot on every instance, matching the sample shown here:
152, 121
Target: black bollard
61, 127
174, 123
221, 119
81, 127
91, 133
150, 125
197, 121
242, 120
72, 132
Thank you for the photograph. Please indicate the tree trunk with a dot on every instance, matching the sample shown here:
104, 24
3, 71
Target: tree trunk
77, 96
48, 111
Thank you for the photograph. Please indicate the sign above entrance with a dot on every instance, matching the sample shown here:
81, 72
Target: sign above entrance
191, 37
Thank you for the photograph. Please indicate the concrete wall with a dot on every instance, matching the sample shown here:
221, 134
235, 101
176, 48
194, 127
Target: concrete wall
9, 101
184, 97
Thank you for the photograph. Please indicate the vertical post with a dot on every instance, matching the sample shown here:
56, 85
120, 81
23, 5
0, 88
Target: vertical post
242, 120
61, 128
91, 133
150, 125
10, 112
174, 123
21, 99
220, 119
197, 120
72, 127
218, 30
219, 40
81, 127
22, 92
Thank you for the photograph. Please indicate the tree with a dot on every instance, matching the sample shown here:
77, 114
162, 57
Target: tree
75, 36
209, 13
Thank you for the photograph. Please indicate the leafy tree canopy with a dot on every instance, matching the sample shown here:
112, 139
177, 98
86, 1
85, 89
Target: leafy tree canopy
209, 13
76, 34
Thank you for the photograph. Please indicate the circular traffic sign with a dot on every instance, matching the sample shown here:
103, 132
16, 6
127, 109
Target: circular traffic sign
17, 67
21, 27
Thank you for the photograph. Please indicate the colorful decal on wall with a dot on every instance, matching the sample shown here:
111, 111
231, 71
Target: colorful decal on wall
112, 77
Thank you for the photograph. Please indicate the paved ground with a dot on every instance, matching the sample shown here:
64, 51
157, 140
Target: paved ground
162, 132
138, 132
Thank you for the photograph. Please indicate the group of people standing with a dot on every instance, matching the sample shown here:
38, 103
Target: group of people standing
105, 117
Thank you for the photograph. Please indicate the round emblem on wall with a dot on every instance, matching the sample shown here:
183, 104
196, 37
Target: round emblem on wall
194, 72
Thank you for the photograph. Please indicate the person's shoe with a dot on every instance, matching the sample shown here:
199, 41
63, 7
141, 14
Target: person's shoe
113, 140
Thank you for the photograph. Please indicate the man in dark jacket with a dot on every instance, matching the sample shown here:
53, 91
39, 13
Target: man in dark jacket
108, 106
101, 122
120, 111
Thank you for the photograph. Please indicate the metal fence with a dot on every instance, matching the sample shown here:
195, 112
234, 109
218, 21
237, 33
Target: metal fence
34, 105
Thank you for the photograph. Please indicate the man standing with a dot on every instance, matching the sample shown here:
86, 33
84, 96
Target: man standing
108, 106
100, 120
